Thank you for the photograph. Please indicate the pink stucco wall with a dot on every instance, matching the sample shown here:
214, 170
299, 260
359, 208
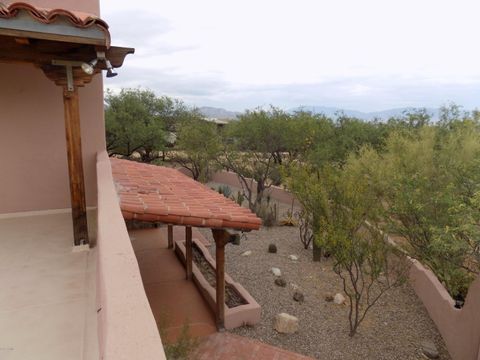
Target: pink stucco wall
126, 326
460, 328
33, 158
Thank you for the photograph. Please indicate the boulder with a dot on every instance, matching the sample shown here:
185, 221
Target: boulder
430, 350
280, 282
276, 271
339, 299
272, 248
328, 298
298, 296
247, 253
286, 324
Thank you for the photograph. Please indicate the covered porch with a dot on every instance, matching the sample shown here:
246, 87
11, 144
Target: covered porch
160, 195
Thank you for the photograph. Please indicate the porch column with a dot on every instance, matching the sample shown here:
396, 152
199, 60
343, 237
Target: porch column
75, 165
170, 236
188, 251
221, 239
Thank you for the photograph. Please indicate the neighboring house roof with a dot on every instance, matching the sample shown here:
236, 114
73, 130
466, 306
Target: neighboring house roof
81, 20
160, 194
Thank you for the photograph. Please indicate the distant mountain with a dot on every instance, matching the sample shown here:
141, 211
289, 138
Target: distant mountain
218, 113
383, 115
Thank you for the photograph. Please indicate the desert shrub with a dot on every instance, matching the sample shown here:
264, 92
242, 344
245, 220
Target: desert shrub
305, 228
268, 214
225, 190
272, 248
239, 198
429, 183
184, 345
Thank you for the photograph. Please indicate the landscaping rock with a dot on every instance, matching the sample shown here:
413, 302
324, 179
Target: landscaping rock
247, 253
339, 299
280, 282
298, 296
276, 271
430, 350
293, 257
294, 286
286, 324
272, 249
329, 298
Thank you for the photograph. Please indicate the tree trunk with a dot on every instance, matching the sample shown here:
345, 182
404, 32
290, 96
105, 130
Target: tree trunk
317, 252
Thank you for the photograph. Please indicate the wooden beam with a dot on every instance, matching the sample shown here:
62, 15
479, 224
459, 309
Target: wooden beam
188, 251
221, 237
170, 236
75, 166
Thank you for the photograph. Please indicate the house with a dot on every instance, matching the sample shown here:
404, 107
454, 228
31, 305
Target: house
70, 279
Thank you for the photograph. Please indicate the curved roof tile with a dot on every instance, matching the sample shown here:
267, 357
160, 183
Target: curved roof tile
47, 16
160, 194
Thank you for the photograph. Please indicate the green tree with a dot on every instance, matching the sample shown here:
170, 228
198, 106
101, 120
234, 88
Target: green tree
429, 182
254, 147
137, 121
346, 211
198, 146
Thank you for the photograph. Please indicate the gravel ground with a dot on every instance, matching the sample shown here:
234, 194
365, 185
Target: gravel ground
393, 329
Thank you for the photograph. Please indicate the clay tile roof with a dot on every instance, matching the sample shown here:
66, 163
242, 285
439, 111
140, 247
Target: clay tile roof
47, 16
160, 194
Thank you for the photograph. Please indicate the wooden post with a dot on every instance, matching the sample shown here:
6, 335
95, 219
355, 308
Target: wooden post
170, 236
221, 239
75, 166
188, 251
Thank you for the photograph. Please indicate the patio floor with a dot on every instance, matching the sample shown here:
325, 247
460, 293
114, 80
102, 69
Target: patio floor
176, 301
47, 298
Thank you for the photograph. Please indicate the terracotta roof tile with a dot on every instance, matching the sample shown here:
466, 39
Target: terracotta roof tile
47, 16
160, 194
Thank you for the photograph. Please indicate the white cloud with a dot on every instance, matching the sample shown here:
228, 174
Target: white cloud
242, 48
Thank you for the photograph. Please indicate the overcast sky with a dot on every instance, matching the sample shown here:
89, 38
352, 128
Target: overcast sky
365, 55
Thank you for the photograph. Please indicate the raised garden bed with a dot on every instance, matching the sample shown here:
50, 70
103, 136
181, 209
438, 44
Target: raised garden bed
240, 308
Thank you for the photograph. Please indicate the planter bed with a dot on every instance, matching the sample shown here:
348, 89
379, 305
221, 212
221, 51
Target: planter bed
240, 308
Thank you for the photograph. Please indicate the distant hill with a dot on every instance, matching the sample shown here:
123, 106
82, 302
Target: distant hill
218, 113
384, 115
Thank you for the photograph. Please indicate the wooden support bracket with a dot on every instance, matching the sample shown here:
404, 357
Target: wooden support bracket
170, 236
188, 251
221, 237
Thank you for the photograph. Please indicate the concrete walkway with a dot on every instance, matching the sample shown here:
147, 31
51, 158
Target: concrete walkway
226, 346
174, 300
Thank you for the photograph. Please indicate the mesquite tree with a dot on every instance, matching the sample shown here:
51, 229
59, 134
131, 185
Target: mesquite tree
346, 211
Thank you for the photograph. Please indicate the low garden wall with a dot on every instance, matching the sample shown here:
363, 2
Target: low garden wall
246, 314
460, 328
126, 326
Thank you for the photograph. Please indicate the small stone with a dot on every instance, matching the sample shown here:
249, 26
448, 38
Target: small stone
286, 324
247, 253
294, 286
430, 350
298, 296
272, 249
276, 271
339, 299
280, 282
329, 298
293, 257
